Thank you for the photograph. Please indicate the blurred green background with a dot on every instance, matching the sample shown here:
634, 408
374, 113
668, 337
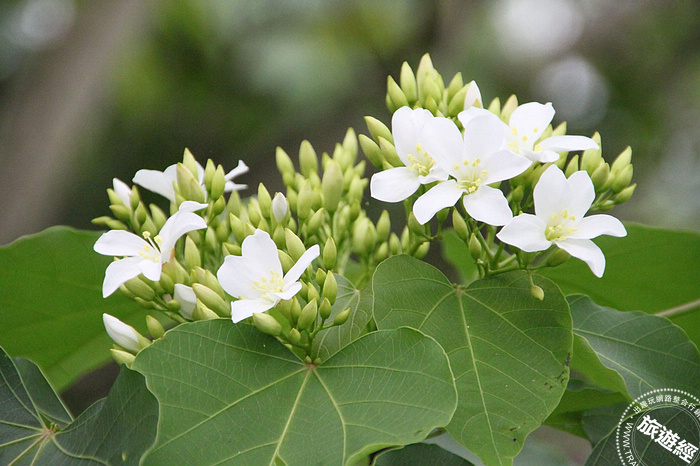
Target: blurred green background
91, 90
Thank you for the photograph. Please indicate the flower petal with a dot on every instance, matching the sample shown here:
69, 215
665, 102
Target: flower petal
393, 185
504, 165
526, 232
158, 182
488, 205
151, 269
587, 251
596, 225
568, 143
407, 128
260, 254
304, 261
531, 119
443, 142
552, 193
240, 169
290, 290
185, 296
183, 221
483, 136
236, 276
542, 156
582, 193
244, 308
120, 243
124, 335
119, 272
441, 195
122, 190
473, 97
470, 113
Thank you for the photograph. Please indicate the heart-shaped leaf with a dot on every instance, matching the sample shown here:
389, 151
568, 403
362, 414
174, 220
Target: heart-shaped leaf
420, 454
509, 351
228, 393
35, 428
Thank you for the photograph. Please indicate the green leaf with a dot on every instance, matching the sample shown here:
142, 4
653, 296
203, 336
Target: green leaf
456, 253
649, 270
508, 350
328, 342
571, 415
52, 305
420, 454
35, 428
648, 352
228, 393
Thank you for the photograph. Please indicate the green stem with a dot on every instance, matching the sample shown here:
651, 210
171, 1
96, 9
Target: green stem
678, 311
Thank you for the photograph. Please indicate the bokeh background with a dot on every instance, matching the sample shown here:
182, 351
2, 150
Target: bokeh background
91, 90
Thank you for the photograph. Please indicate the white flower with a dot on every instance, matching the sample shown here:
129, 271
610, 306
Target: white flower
162, 182
184, 295
475, 162
124, 335
255, 277
409, 131
525, 128
143, 255
560, 206
122, 190
473, 97
279, 207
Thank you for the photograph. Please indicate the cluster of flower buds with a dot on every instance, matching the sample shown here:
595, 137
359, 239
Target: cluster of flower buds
445, 146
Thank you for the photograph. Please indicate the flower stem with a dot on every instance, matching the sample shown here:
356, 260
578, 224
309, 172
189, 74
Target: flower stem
678, 311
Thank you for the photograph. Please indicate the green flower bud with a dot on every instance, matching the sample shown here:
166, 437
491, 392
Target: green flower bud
405, 238
264, 200
537, 292
208, 279
295, 310
284, 163
267, 324
325, 309
517, 194
234, 203
330, 254
332, 186
383, 226
190, 162
138, 288
560, 130
210, 241
202, 312
312, 292
158, 216
622, 160
343, 217
141, 214
508, 108
295, 246
167, 283
307, 318
625, 194
456, 104
442, 214
254, 214
422, 250
176, 272
395, 95
592, 158
495, 106
187, 185
342, 317
315, 222
371, 151
114, 198
286, 261
558, 258
364, 237
431, 104
232, 249
173, 306
415, 227
572, 167
155, 328
605, 206
356, 190
192, 256
330, 287
237, 227
320, 276
360, 169
378, 130
622, 179
394, 244
350, 144
474, 247
279, 207
135, 197
459, 225
212, 300
278, 236
456, 85
408, 83
209, 171
218, 183
382, 252
121, 212
308, 161
600, 177
284, 308
223, 231
122, 357
148, 305
305, 201
294, 337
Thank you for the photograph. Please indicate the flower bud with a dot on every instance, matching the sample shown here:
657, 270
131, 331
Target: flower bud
383, 226
202, 312
124, 335
284, 163
190, 163
408, 83
456, 102
625, 194
286, 261
212, 300
254, 214
307, 318
364, 236
474, 247
121, 212
371, 151
325, 309
350, 144
209, 171
592, 158
382, 252
210, 241
278, 237
456, 85
622, 160
312, 292
138, 288
394, 244
622, 179
218, 183
395, 95
342, 317
141, 214
315, 222
332, 186
305, 201
135, 197
234, 203
422, 250
267, 324
330, 287
537, 292
294, 336
572, 167
294, 245
122, 357
320, 276
558, 258
378, 130
237, 227
192, 256
600, 176
415, 227
330, 254
155, 328
308, 161
158, 216
264, 201
279, 207
186, 298
187, 185
495, 106
516, 194
355, 191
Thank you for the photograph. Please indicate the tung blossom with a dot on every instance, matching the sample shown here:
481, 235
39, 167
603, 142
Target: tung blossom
560, 206
473, 162
409, 129
162, 182
255, 277
525, 128
122, 334
145, 255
